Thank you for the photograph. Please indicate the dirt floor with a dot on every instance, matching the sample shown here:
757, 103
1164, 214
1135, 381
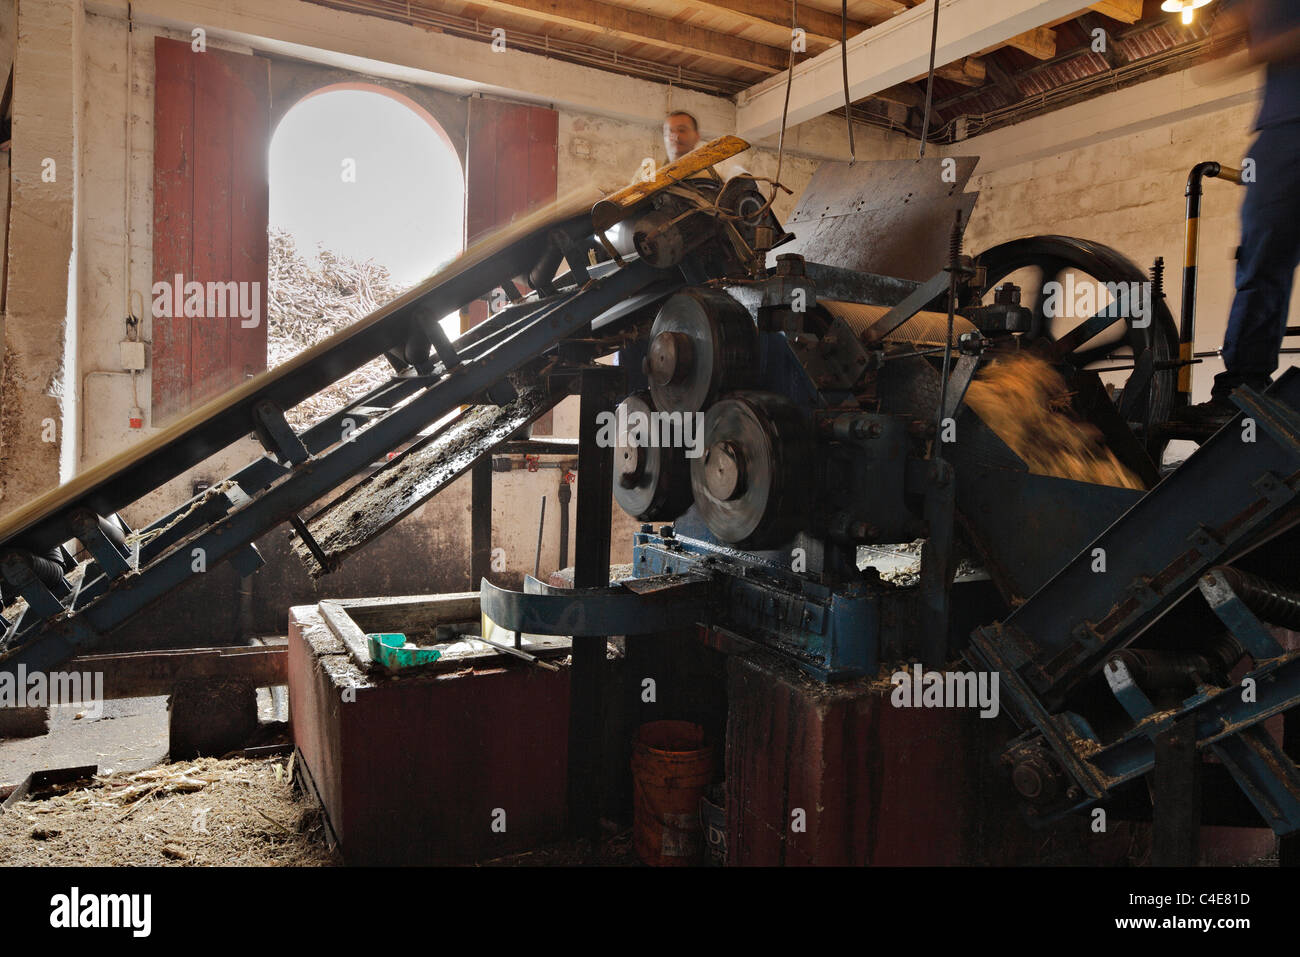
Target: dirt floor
237, 812
613, 850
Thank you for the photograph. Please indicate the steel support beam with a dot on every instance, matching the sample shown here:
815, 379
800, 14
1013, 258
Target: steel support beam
890, 53
590, 570
480, 520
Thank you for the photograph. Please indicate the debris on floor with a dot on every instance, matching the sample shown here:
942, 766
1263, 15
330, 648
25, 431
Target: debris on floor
614, 849
237, 812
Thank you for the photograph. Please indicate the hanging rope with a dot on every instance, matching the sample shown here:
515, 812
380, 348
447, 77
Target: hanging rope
929, 83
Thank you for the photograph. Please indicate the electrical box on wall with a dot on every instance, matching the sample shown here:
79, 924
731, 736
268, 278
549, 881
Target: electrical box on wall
132, 355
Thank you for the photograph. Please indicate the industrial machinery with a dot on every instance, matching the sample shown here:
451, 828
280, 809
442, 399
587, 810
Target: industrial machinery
801, 406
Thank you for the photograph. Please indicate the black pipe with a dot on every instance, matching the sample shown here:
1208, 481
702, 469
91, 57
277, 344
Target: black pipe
1187, 323
1273, 603
566, 493
48, 569
1168, 670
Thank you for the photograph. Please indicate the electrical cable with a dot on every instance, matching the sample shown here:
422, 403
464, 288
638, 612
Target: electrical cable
785, 110
954, 264
844, 65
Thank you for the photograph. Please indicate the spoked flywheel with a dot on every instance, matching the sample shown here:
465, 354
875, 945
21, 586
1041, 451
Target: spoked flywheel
1093, 308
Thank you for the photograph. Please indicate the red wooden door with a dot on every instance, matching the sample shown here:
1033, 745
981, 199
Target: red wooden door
510, 162
211, 138
509, 169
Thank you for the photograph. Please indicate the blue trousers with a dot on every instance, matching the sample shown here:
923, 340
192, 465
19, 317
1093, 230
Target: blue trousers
1270, 252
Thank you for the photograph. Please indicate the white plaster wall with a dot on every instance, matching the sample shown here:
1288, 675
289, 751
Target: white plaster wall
8, 40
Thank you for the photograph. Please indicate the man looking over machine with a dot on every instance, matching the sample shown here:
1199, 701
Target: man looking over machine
1270, 215
682, 134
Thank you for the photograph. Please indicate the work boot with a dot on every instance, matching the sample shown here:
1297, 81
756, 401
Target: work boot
1221, 408
1217, 411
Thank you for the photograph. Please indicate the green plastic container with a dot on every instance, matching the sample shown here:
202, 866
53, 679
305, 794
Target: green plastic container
391, 650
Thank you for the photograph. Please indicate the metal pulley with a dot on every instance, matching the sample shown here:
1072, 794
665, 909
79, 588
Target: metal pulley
702, 344
751, 484
652, 480
665, 235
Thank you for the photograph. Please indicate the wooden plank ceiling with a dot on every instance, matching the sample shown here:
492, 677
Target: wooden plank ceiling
723, 46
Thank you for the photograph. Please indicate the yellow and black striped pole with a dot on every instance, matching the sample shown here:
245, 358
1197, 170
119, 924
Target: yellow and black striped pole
1187, 324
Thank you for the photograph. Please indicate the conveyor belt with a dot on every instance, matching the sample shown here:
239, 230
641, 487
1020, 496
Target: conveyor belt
60, 615
398, 488
116, 482
1237, 492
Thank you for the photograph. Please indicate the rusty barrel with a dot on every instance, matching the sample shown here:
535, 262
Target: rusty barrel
671, 768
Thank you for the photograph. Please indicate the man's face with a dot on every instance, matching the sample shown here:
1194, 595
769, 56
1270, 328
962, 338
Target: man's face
680, 136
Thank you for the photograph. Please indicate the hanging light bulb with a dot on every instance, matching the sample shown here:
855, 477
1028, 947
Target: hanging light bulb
1186, 7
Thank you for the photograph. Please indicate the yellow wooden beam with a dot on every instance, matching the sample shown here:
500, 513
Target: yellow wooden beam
617, 206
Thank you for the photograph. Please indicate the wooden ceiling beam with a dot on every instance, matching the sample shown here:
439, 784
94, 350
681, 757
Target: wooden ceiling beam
968, 71
1126, 11
817, 24
1039, 43
1091, 22
894, 51
888, 8
637, 27
904, 94
1003, 81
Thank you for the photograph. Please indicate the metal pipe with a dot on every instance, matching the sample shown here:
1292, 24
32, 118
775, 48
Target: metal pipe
541, 527
566, 493
1187, 324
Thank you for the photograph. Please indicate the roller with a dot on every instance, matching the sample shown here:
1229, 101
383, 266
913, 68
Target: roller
923, 329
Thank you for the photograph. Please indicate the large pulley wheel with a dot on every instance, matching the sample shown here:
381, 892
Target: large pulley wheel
1129, 341
750, 484
652, 480
702, 344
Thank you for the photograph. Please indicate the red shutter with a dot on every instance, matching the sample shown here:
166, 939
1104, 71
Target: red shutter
510, 169
211, 139
510, 162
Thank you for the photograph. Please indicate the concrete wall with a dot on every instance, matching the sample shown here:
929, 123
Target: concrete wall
8, 45
35, 397
1114, 169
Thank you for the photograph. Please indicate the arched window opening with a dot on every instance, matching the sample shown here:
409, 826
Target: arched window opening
367, 198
